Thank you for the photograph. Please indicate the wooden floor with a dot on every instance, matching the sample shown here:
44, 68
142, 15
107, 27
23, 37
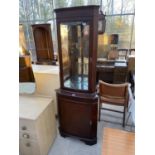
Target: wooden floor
118, 142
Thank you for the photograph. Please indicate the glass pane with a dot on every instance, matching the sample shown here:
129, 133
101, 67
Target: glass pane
133, 37
72, 3
121, 25
118, 6
35, 10
75, 54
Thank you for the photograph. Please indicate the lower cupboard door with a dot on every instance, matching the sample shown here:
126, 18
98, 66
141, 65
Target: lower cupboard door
27, 147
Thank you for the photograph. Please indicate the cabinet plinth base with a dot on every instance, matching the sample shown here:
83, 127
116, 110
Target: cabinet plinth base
85, 140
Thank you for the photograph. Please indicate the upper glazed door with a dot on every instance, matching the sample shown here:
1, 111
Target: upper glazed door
75, 54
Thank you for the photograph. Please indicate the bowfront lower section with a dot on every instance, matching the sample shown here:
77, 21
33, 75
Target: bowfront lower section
78, 115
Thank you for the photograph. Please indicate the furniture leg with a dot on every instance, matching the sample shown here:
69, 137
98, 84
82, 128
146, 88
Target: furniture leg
124, 117
99, 111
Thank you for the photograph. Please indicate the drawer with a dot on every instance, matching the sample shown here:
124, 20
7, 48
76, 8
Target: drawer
27, 135
28, 147
119, 80
26, 125
119, 75
120, 70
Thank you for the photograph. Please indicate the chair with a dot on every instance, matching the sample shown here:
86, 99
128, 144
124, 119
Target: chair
114, 94
122, 54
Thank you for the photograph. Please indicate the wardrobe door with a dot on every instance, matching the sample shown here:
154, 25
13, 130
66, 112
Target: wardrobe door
43, 42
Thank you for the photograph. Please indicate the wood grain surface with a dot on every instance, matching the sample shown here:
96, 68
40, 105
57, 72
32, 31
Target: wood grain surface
118, 142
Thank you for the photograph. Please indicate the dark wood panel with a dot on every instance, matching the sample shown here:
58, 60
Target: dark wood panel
43, 42
112, 73
25, 69
120, 74
75, 13
77, 117
24, 74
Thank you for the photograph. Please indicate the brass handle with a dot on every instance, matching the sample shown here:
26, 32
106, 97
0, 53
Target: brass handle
24, 127
28, 144
26, 136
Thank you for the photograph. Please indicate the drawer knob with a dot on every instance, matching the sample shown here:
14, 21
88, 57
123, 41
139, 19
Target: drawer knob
24, 128
26, 136
28, 144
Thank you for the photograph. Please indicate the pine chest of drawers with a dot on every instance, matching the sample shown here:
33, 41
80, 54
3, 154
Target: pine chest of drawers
37, 125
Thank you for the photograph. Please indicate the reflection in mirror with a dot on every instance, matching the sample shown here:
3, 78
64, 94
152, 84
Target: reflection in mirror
75, 49
26, 76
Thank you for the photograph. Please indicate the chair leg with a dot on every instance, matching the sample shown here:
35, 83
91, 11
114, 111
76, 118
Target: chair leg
124, 116
128, 104
128, 107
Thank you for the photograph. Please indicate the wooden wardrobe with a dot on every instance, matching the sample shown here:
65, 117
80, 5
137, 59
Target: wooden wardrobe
43, 43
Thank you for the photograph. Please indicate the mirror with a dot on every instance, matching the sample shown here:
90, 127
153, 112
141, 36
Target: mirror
26, 77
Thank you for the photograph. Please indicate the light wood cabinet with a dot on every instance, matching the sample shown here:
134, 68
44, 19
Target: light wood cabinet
37, 125
45, 76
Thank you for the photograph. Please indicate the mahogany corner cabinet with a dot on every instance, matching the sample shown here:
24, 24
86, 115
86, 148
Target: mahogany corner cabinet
77, 30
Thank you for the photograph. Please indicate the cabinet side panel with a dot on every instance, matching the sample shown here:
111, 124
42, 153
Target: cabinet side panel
28, 147
46, 129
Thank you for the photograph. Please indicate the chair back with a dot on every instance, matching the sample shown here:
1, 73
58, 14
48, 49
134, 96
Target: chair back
114, 94
113, 90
